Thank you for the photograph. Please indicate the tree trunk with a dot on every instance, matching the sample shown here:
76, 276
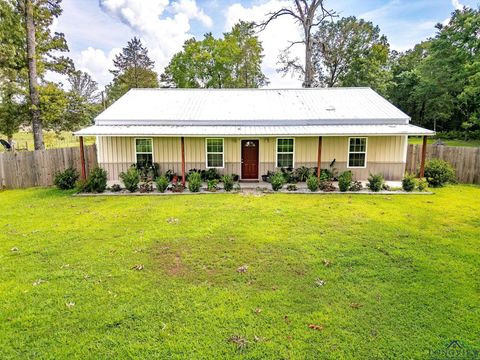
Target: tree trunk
309, 71
32, 77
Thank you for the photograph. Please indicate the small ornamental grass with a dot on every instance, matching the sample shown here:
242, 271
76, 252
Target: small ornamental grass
439, 172
345, 181
409, 182
131, 179
194, 182
277, 180
375, 182
162, 183
313, 183
227, 182
65, 180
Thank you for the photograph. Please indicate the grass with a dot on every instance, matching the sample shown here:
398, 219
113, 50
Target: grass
24, 140
467, 143
401, 275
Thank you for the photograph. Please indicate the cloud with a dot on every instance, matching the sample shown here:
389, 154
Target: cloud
274, 38
457, 5
97, 63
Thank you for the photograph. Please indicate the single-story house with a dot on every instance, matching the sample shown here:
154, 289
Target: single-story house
251, 131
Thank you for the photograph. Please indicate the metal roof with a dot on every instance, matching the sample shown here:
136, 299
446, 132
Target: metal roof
251, 107
258, 131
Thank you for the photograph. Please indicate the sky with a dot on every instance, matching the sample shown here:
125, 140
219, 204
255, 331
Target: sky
96, 30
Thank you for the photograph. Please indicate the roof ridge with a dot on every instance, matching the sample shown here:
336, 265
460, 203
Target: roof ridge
255, 89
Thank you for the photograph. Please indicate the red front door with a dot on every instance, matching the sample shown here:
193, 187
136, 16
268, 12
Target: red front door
250, 159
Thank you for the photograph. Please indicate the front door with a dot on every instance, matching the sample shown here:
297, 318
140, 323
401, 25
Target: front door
250, 159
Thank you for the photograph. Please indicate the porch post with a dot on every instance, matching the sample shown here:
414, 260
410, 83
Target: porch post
319, 156
82, 159
424, 154
183, 160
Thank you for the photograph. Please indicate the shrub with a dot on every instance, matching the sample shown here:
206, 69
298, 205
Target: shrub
422, 184
210, 174
277, 180
97, 181
326, 186
302, 173
235, 177
177, 187
312, 183
146, 187
130, 179
162, 183
194, 182
227, 182
375, 182
439, 172
326, 175
116, 188
212, 185
345, 181
65, 180
289, 176
148, 171
292, 187
356, 186
408, 182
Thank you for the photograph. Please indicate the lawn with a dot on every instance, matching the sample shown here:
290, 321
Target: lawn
467, 143
24, 140
390, 277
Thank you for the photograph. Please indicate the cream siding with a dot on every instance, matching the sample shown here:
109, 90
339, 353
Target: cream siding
385, 154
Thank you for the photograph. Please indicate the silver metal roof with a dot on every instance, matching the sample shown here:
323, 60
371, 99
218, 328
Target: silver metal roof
257, 131
252, 107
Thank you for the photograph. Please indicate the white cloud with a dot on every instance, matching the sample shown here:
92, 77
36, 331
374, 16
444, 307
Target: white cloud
274, 38
97, 63
457, 5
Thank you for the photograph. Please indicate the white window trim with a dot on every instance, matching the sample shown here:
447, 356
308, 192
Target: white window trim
142, 152
357, 152
206, 154
276, 151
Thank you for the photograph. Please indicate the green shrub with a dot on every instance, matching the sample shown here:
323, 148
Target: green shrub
131, 179
302, 173
375, 182
227, 182
212, 185
65, 180
356, 186
313, 183
210, 174
292, 187
115, 188
422, 184
96, 182
145, 187
345, 181
326, 175
409, 182
277, 180
162, 183
439, 172
194, 182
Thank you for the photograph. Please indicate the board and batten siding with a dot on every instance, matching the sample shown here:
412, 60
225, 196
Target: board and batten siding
385, 154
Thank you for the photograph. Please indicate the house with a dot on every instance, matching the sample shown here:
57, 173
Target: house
251, 131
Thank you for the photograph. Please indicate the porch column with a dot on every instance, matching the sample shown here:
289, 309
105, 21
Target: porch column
424, 154
319, 156
82, 159
183, 160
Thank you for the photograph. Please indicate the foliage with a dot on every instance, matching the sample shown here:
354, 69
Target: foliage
115, 188
292, 187
277, 180
162, 183
409, 182
326, 186
289, 175
375, 182
65, 180
313, 183
439, 172
227, 182
422, 184
212, 185
131, 179
210, 174
194, 182
303, 173
351, 52
326, 175
96, 181
356, 186
145, 187
177, 187
147, 172
231, 62
345, 181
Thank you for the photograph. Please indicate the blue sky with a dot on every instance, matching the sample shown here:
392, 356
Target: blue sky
97, 29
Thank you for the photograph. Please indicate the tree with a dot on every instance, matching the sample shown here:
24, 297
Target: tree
231, 62
133, 69
351, 52
83, 85
308, 15
13, 104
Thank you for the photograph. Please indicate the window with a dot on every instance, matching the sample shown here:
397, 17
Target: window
285, 153
144, 151
214, 153
357, 152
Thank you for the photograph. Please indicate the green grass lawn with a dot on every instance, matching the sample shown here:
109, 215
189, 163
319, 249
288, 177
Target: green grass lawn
467, 143
24, 140
401, 275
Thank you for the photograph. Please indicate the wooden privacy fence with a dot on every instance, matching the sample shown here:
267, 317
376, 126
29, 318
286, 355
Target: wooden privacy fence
465, 160
24, 169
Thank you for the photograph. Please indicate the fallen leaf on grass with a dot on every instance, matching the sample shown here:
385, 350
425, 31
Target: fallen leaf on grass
172, 220
320, 282
242, 269
326, 262
315, 327
258, 311
240, 341
286, 319
38, 282
356, 305
138, 267
14, 249
258, 338
70, 304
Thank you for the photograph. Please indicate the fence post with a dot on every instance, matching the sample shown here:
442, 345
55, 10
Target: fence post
424, 154
82, 159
